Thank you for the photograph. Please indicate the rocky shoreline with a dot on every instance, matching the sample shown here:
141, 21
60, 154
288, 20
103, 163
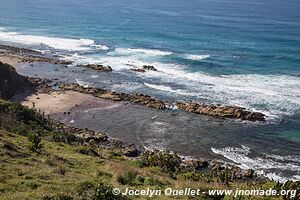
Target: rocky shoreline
220, 111
29, 56
97, 67
232, 112
88, 137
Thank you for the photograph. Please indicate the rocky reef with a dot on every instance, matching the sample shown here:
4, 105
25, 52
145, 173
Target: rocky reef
232, 112
29, 55
98, 67
93, 138
144, 68
114, 96
171, 162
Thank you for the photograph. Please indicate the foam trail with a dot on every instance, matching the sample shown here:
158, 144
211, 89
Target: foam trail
169, 89
147, 52
196, 57
53, 42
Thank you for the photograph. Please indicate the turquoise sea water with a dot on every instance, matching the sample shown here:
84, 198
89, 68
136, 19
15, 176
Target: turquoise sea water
233, 52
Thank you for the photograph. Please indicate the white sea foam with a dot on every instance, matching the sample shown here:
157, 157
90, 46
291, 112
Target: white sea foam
241, 156
285, 158
83, 83
169, 89
160, 87
196, 57
94, 76
53, 42
274, 95
147, 52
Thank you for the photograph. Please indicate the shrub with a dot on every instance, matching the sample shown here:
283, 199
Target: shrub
60, 170
130, 178
194, 176
88, 151
168, 162
153, 182
32, 184
34, 141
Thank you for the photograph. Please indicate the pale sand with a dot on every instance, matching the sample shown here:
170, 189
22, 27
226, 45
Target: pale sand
9, 59
60, 102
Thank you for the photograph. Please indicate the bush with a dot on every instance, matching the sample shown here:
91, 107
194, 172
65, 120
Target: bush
60, 170
130, 178
133, 179
153, 182
168, 162
34, 141
194, 176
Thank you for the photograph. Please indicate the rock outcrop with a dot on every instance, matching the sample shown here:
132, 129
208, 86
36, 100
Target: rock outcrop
114, 96
11, 81
29, 55
221, 111
144, 68
88, 137
98, 67
198, 108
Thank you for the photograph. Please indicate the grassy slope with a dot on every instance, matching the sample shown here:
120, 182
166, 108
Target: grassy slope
59, 168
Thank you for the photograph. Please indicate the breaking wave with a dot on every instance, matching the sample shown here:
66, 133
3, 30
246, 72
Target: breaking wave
243, 157
51, 42
196, 57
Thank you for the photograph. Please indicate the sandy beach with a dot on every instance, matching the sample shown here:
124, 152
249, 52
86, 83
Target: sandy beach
9, 59
136, 118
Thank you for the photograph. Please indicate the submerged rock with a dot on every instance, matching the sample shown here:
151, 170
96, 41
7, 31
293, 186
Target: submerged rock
149, 67
98, 67
138, 70
144, 68
233, 112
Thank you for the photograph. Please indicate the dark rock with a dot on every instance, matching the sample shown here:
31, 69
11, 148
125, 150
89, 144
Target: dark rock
138, 70
144, 68
114, 96
130, 151
221, 111
248, 173
98, 67
197, 164
11, 81
149, 67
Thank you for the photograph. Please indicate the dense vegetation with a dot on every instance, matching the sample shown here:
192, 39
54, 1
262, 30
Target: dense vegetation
34, 166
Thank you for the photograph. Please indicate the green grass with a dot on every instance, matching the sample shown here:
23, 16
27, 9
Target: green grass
68, 171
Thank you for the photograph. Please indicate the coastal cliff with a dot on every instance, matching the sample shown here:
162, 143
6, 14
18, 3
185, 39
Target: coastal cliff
10, 81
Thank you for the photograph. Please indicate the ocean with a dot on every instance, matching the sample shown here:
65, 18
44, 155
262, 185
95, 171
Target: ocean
232, 52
